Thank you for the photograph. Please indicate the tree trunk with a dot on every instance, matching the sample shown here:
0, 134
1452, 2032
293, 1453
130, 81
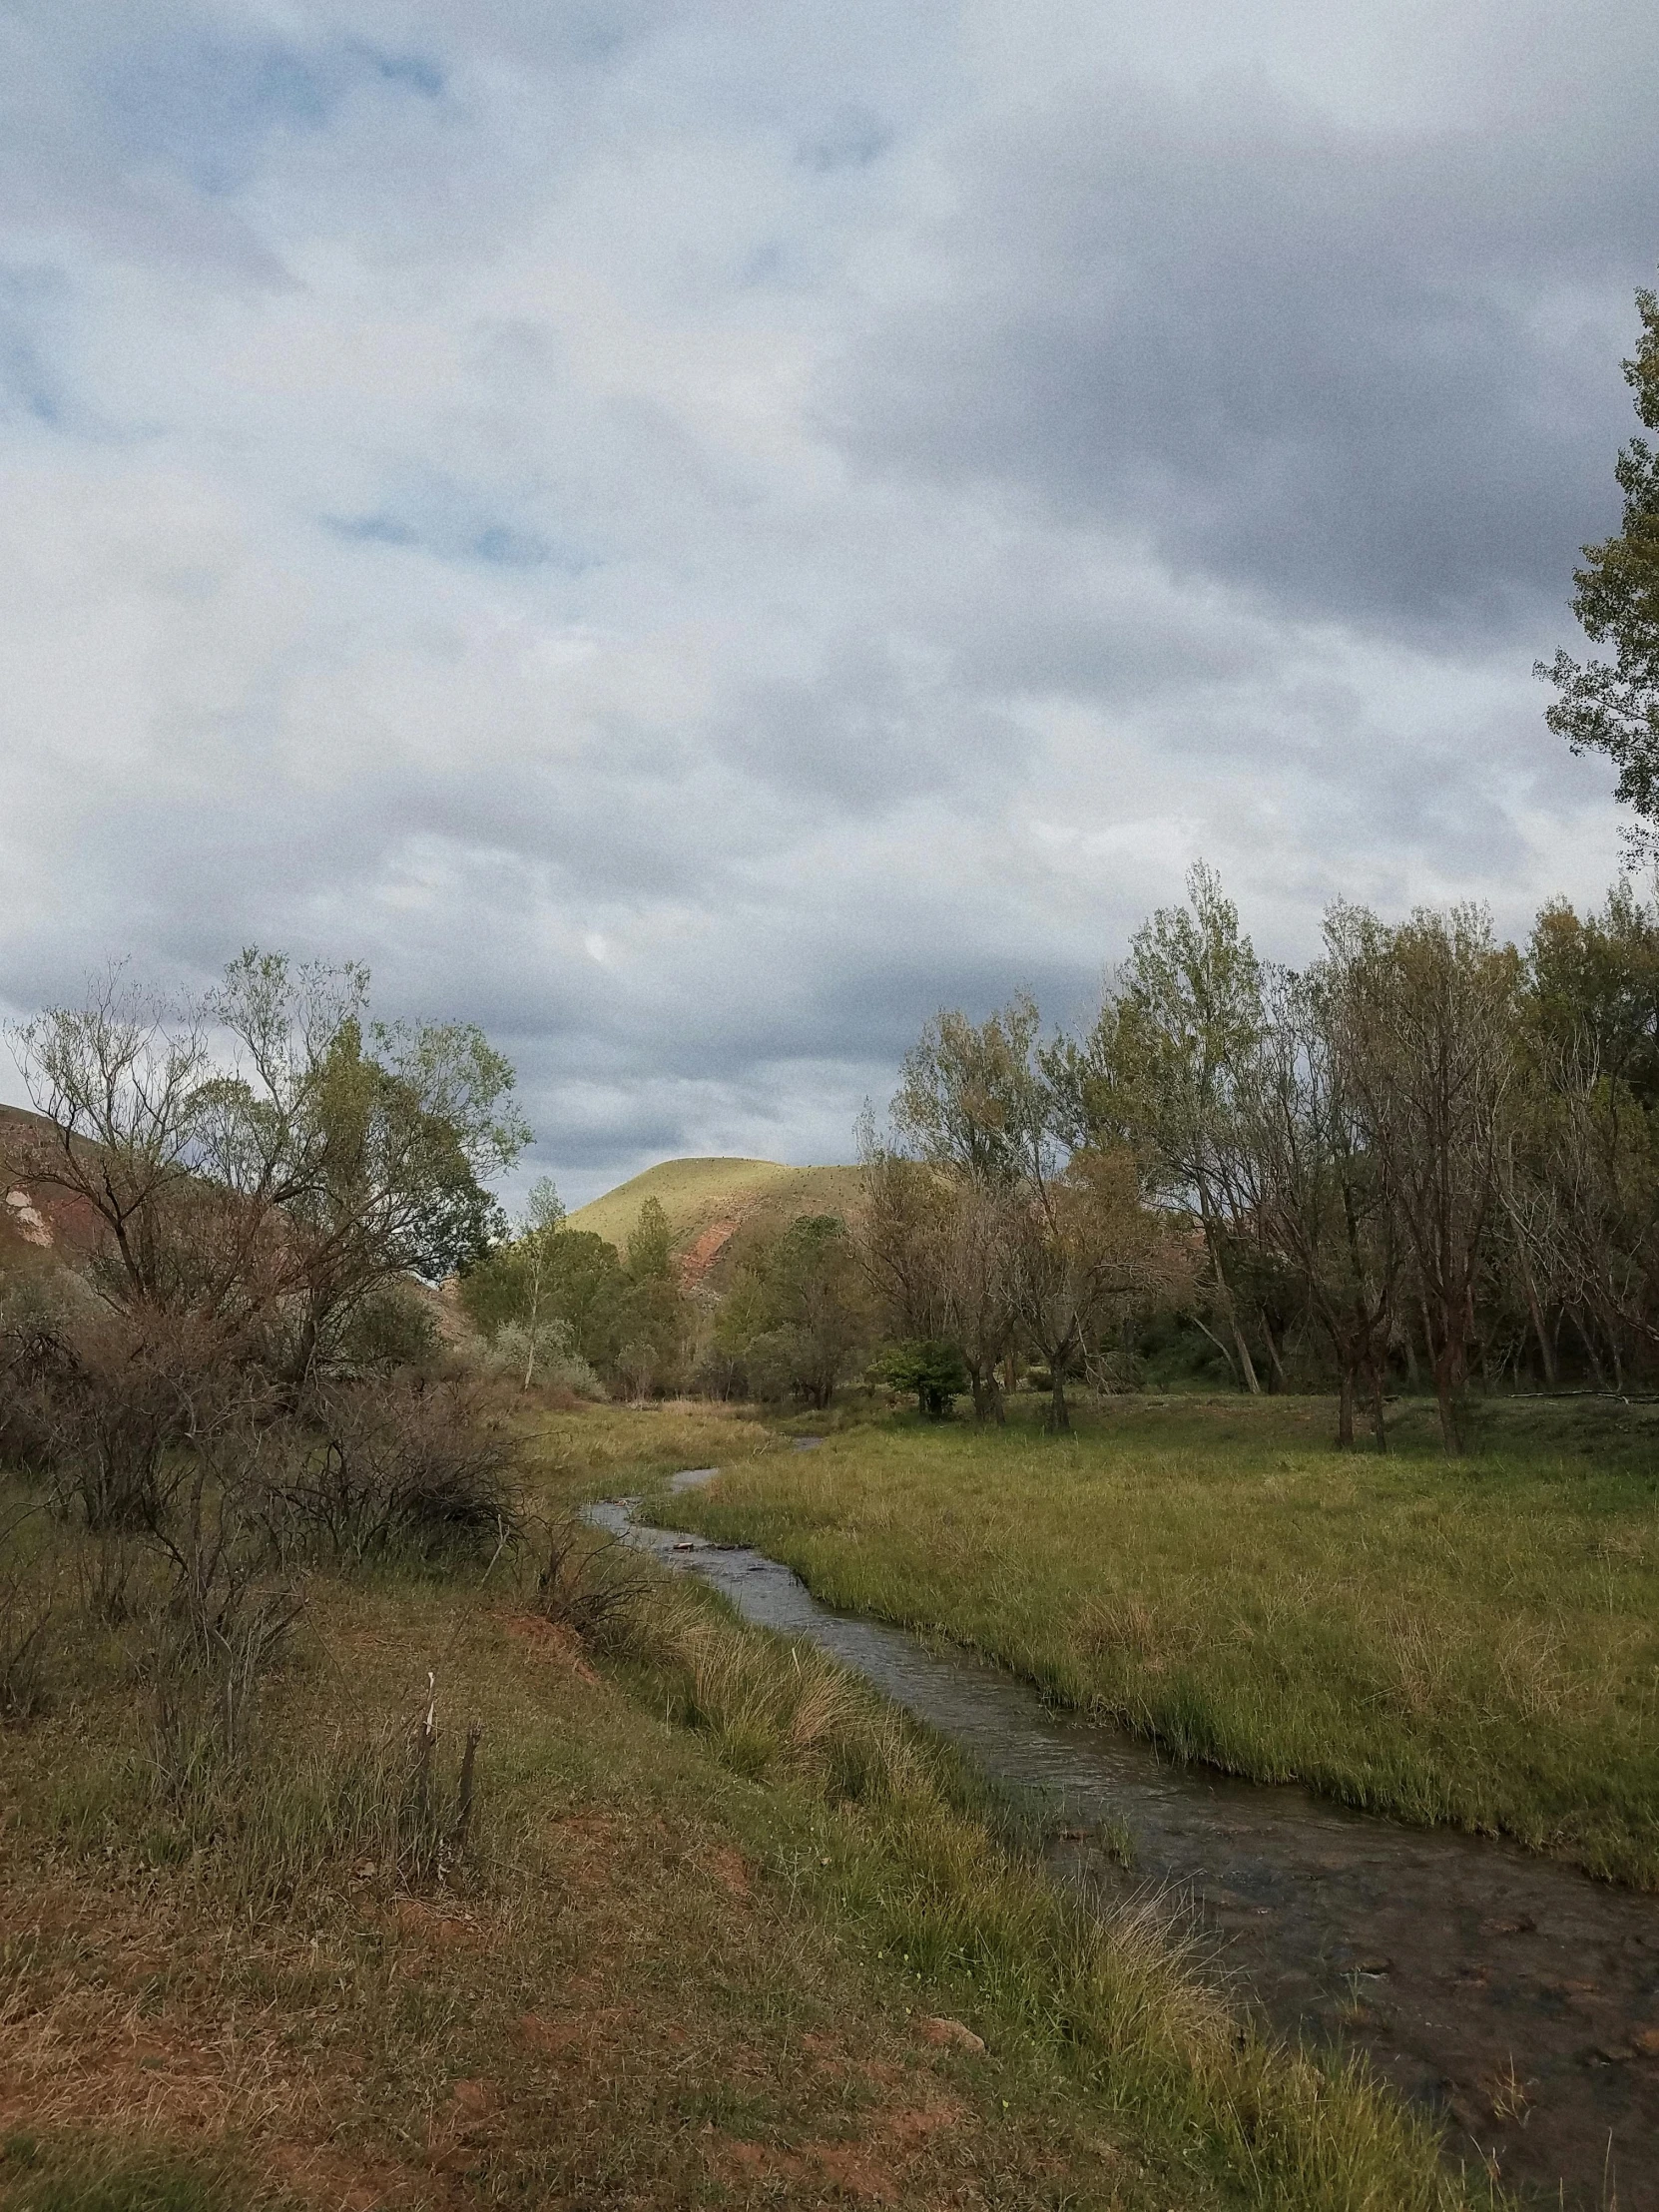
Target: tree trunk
1589, 1343
987, 1395
1220, 1347
1344, 1407
1445, 1395
1277, 1381
1058, 1422
1224, 1290
1547, 1351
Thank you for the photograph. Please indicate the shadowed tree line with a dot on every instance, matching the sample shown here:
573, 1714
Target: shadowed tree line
1427, 1157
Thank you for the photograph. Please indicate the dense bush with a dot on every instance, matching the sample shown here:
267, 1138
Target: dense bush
797, 1320
933, 1371
405, 1468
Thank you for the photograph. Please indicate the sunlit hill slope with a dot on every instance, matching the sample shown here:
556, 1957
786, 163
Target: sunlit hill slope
717, 1207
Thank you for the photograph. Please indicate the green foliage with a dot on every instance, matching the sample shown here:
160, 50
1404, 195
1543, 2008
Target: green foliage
391, 1327
970, 1097
1592, 991
560, 1290
651, 1245
932, 1370
1613, 707
1422, 1159
583, 1287
797, 1314
267, 1159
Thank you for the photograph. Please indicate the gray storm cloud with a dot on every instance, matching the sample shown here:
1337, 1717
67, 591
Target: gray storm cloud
696, 535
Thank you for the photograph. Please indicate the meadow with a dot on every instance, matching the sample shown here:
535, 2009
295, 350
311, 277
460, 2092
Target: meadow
710, 1925
1472, 1642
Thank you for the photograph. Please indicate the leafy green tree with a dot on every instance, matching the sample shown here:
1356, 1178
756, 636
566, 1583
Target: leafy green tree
1084, 1251
972, 1099
267, 1156
1592, 989
1315, 1187
544, 1217
797, 1316
936, 1248
933, 1371
1582, 1181
1162, 1068
1428, 1018
651, 1245
655, 1319
583, 1290
1613, 707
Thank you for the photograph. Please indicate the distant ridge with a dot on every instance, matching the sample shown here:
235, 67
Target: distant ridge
715, 1206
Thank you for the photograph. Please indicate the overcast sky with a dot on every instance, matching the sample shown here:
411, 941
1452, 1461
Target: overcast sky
695, 534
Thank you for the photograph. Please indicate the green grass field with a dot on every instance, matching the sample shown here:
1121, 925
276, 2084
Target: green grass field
1473, 1643
695, 1951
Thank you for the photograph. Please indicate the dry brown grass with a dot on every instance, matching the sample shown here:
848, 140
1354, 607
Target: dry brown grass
620, 2010
688, 1953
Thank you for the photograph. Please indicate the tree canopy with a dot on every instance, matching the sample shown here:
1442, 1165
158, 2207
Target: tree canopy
1612, 707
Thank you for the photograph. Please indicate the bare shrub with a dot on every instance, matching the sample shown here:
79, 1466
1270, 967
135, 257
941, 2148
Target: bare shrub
586, 1582
113, 1572
28, 1618
220, 1629
400, 1467
100, 1403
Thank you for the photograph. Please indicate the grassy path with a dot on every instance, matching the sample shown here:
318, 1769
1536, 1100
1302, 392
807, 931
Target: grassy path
1474, 1644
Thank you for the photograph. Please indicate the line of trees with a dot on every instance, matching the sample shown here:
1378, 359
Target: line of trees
563, 1306
1427, 1157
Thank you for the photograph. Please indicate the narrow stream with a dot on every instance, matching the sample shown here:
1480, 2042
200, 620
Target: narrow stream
1511, 1994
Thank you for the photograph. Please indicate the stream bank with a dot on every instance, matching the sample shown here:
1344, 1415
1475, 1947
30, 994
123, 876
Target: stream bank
1509, 1993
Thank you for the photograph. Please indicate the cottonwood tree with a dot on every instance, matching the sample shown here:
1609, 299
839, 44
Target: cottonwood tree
122, 1082
585, 1299
1318, 1191
979, 1231
1083, 1248
796, 1319
655, 1317
1425, 1014
1582, 1181
971, 1140
266, 1154
1162, 1067
899, 1235
972, 1097
544, 1217
1613, 707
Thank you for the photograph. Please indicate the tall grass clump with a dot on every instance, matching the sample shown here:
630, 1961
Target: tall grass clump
51, 2172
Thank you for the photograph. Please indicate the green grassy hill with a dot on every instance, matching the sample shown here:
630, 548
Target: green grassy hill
715, 1207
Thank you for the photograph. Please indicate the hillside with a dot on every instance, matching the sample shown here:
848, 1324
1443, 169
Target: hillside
40, 1225
715, 1206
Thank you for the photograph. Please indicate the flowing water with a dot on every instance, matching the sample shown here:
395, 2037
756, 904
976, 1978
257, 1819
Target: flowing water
1512, 1995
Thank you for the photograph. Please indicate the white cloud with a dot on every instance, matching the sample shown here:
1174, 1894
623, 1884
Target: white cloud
461, 514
